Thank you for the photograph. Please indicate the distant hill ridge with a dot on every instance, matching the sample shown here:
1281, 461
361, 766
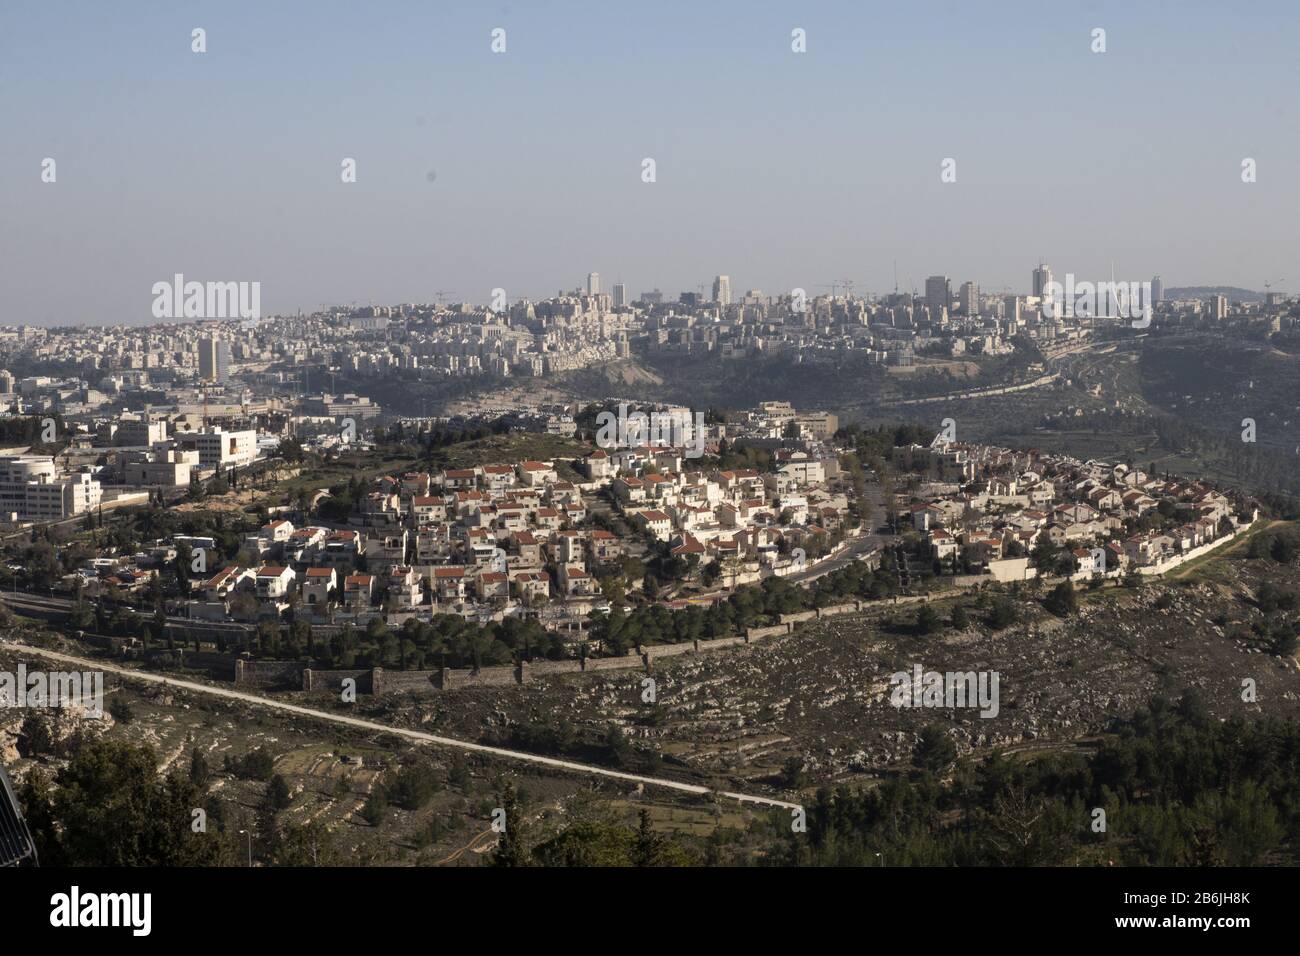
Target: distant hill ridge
1234, 293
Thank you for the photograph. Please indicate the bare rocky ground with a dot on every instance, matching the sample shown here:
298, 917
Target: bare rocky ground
735, 717
331, 772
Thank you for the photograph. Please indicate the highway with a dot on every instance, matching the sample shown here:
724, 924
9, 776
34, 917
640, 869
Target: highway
987, 392
990, 391
519, 756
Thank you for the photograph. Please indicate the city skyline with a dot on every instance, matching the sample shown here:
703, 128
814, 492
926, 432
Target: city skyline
719, 290
225, 165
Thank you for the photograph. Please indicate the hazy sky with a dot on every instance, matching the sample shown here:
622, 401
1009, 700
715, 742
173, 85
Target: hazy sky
523, 170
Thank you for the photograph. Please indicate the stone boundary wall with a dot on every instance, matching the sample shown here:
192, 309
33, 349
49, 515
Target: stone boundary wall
263, 673
797, 617
503, 676
366, 680
544, 668
215, 664
379, 681
835, 610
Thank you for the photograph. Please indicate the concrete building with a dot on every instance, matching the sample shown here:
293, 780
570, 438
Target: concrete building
31, 490
722, 290
214, 360
1042, 280
938, 296
167, 467
1218, 307
970, 296
340, 406
139, 433
219, 448
820, 425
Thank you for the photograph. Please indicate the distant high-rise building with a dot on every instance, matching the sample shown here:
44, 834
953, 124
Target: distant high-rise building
207, 359
1157, 291
652, 298
593, 283
1042, 279
970, 298
1218, 307
1011, 308
620, 295
938, 295
214, 360
722, 290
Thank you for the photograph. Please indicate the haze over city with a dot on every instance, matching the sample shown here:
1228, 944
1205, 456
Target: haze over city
522, 169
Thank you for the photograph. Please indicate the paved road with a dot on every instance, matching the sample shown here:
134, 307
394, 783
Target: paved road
418, 736
857, 547
24, 601
986, 392
990, 391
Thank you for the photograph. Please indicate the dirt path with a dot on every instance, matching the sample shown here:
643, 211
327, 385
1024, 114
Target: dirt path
419, 736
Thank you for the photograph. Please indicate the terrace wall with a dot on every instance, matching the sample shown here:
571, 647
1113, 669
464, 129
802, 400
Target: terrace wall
797, 617
837, 609
267, 673
366, 680
761, 633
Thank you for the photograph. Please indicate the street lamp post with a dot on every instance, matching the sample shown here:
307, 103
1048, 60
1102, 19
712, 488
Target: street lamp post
249, 834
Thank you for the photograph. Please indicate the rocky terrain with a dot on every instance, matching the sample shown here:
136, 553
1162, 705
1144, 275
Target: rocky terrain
822, 695
330, 773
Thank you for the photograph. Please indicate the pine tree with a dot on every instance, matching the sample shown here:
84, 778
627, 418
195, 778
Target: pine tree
1063, 601
277, 793
199, 771
512, 849
649, 849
